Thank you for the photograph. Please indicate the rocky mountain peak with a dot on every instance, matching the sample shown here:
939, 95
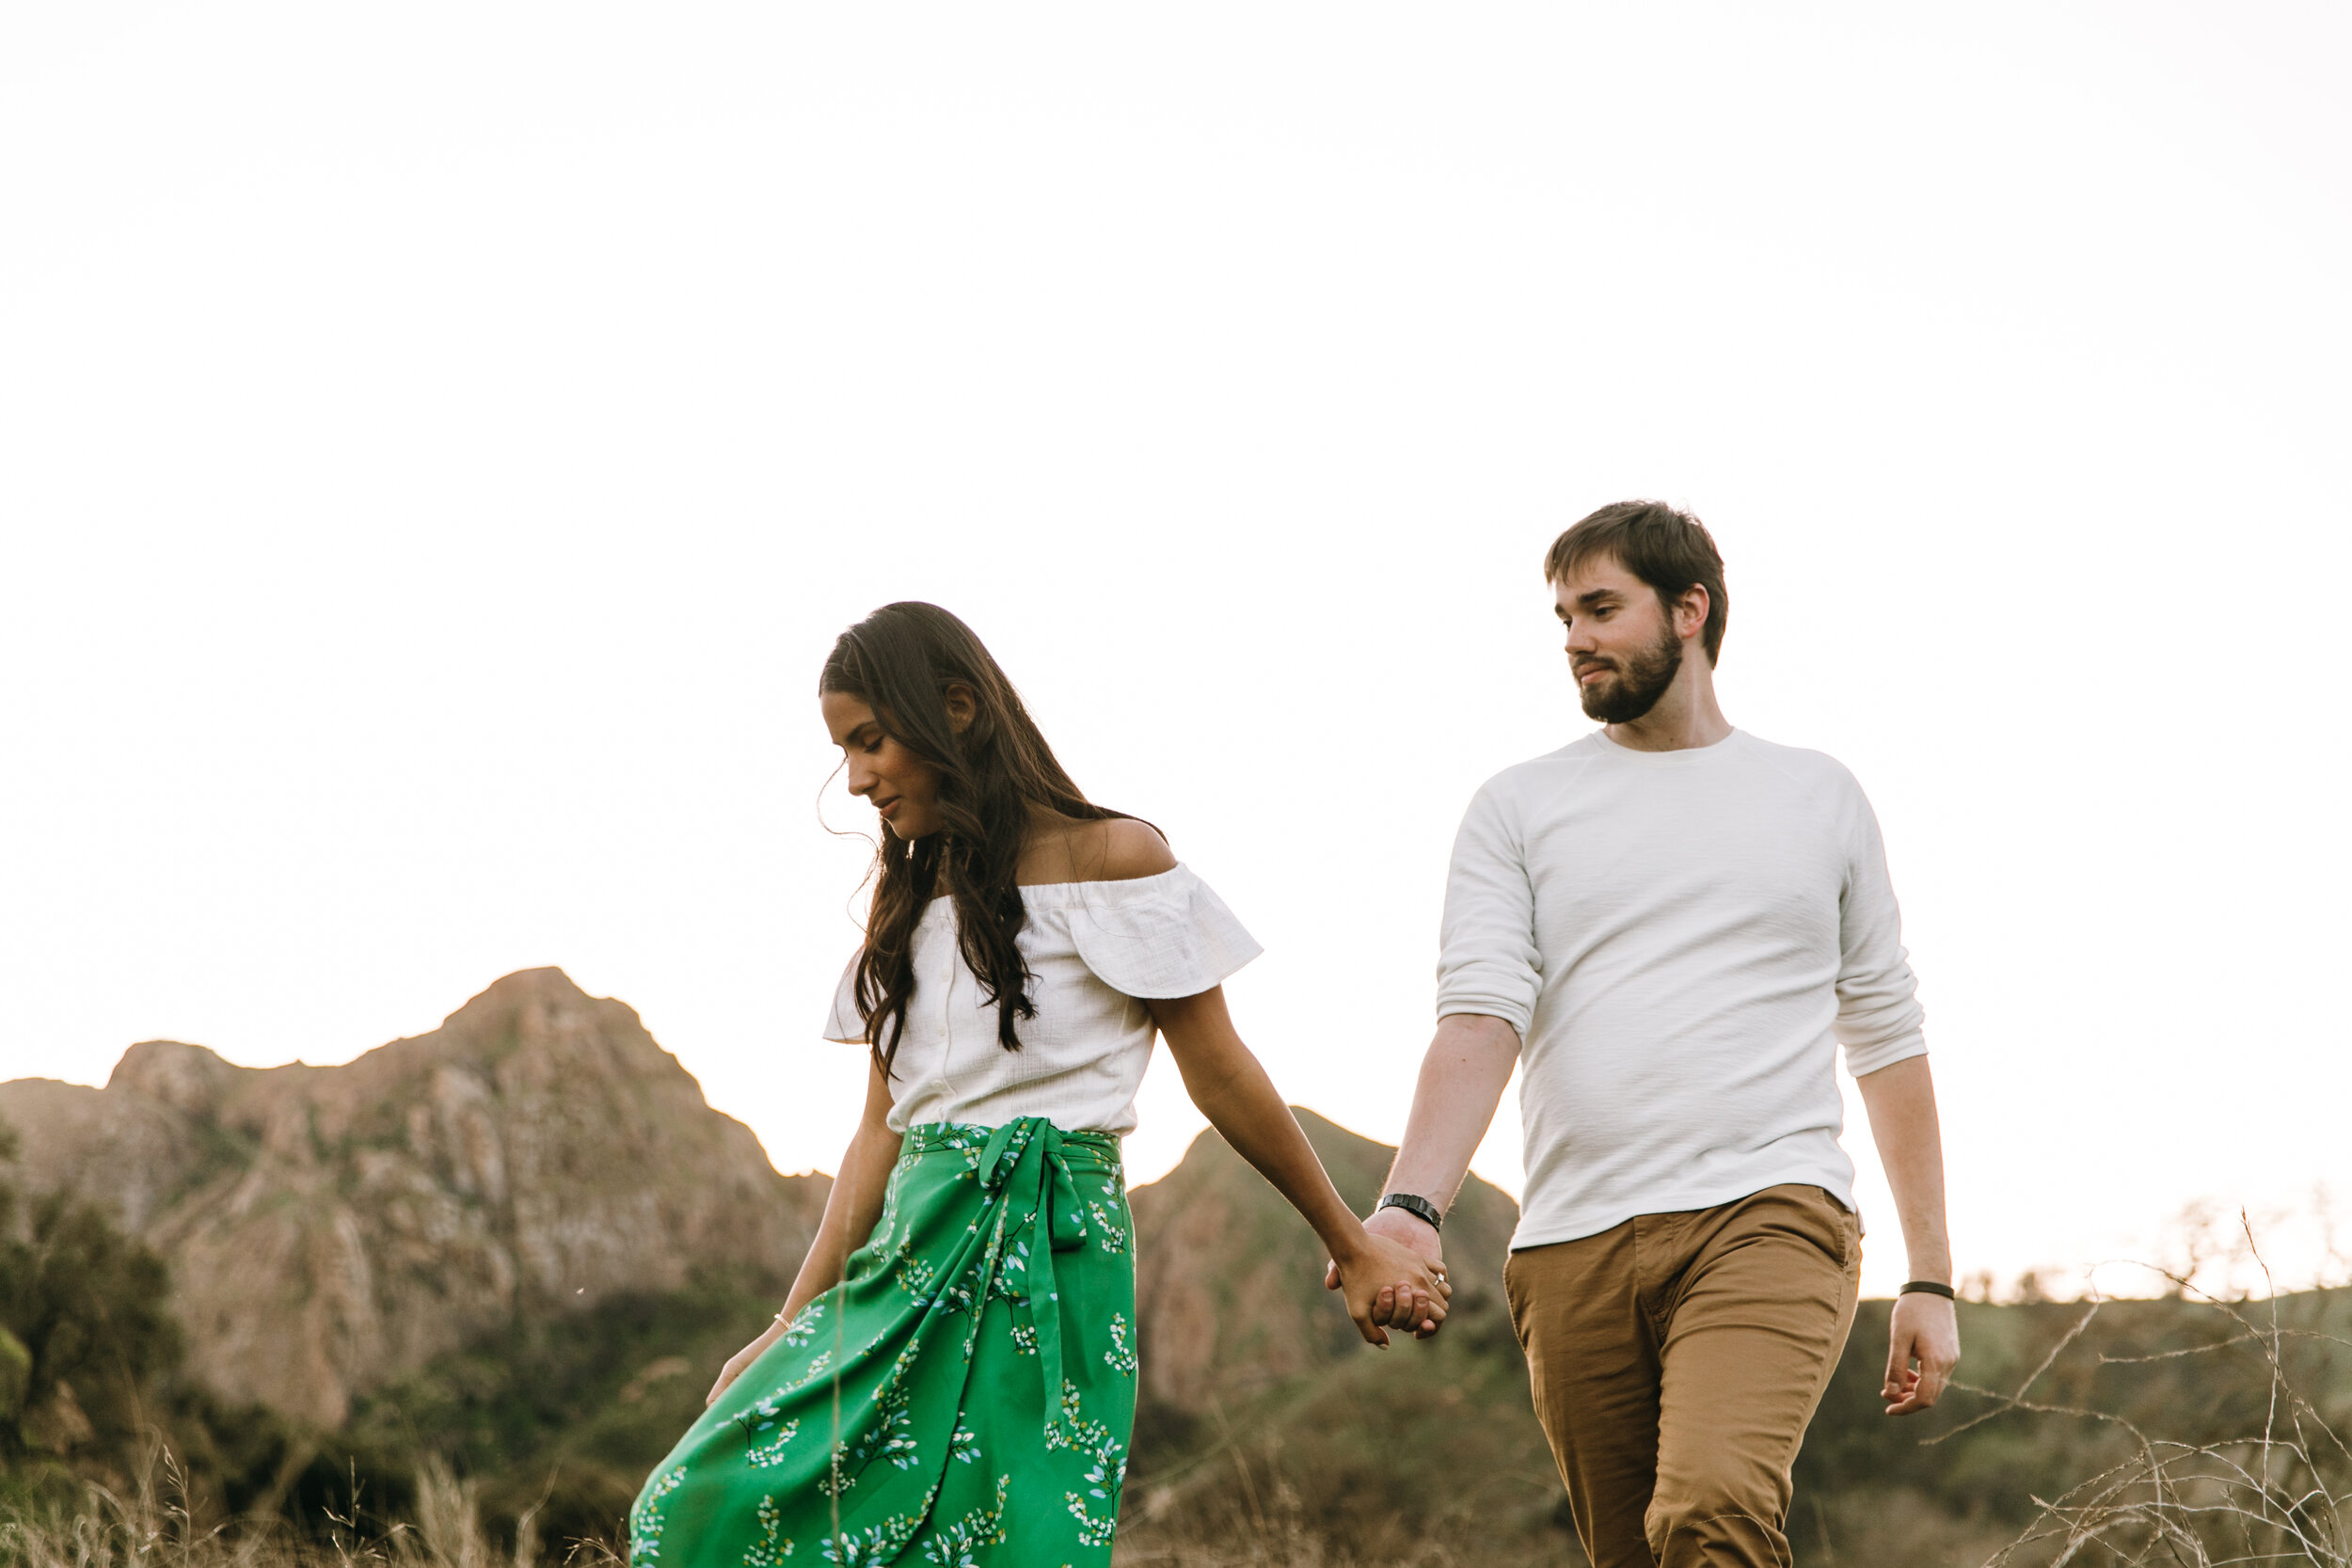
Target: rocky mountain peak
330, 1227
188, 1078
543, 1010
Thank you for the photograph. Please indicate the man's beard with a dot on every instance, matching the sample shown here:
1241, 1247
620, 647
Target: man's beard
1622, 698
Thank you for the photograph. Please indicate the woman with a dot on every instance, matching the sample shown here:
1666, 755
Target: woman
955, 1367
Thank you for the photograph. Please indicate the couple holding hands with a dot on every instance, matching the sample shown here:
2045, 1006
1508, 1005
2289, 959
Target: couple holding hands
1668, 926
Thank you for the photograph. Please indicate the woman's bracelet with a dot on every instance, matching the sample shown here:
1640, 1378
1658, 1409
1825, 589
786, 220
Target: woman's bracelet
1928, 1287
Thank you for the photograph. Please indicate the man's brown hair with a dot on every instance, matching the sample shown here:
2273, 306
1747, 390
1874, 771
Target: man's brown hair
1664, 545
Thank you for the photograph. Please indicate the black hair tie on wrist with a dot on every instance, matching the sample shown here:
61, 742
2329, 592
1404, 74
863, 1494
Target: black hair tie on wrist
1928, 1287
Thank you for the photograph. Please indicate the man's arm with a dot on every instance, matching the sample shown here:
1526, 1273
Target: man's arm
1900, 1100
1489, 972
1462, 1079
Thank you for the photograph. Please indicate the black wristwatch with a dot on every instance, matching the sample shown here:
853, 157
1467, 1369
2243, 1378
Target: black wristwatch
1415, 1205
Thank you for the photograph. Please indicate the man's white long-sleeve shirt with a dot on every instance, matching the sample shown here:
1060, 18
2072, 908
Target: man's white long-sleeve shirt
1682, 941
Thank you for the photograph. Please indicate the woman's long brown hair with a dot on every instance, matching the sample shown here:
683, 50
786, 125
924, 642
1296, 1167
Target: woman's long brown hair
901, 661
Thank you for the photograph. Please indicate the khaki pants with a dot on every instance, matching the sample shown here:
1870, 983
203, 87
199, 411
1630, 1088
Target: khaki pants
1676, 1361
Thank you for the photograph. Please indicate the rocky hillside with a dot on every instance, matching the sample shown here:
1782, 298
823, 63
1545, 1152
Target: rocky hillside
332, 1228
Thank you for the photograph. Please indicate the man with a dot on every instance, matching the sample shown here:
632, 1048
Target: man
1670, 927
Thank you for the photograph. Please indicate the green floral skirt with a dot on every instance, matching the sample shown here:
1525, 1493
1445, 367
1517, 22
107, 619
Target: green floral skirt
965, 1396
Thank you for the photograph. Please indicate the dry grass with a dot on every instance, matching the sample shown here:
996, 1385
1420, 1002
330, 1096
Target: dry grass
1276, 1503
2276, 1490
1269, 1526
2281, 1494
151, 1527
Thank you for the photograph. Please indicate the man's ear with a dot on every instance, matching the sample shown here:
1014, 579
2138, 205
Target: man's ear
963, 707
1690, 610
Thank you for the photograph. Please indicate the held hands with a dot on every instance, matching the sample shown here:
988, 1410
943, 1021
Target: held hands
1397, 1281
1925, 1329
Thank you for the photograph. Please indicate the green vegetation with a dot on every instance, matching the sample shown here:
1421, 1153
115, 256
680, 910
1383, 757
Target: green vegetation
85, 1332
2117, 1432
2131, 1430
558, 1420
90, 1376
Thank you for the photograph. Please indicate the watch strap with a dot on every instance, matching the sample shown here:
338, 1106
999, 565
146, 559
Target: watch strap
1415, 1205
1928, 1287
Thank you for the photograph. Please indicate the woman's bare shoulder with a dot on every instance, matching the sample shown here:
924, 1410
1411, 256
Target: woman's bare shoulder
1130, 850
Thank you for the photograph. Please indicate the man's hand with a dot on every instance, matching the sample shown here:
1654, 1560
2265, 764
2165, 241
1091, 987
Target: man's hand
1925, 1329
1389, 1285
1416, 1235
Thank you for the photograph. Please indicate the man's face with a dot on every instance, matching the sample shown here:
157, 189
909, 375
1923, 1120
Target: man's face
1623, 647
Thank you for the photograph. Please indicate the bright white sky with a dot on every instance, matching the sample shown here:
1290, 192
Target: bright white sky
438, 444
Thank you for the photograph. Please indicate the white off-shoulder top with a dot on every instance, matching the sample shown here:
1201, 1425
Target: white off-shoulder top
1097, 949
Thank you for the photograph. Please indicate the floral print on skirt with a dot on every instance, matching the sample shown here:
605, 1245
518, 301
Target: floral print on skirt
964, 1396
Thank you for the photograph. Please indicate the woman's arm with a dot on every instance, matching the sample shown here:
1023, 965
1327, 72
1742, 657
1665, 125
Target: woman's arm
851, 1212
1385, 1283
